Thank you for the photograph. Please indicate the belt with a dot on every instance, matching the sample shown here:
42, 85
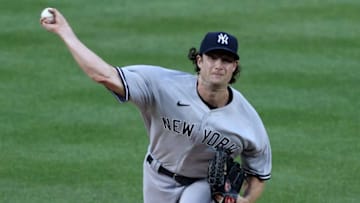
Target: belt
183, 180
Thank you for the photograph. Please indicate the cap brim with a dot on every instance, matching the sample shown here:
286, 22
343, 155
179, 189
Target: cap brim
224, 49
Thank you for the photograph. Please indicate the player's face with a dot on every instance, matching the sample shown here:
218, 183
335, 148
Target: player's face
217, 67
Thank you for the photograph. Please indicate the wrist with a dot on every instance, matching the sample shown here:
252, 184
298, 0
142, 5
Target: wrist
67, 35
242, 200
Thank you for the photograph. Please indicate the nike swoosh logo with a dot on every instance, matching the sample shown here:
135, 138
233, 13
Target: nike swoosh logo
182, 104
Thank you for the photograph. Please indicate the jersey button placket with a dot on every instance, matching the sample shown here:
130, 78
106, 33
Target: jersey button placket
204, 120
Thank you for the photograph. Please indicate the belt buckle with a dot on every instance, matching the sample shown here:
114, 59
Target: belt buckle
174, 176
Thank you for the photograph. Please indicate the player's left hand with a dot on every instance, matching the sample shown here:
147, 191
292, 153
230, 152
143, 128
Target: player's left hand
238, 200
242, 200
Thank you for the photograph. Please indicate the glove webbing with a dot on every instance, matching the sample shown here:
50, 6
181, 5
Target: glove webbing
225, 177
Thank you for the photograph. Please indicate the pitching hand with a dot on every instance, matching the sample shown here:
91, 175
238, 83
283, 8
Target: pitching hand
59, 26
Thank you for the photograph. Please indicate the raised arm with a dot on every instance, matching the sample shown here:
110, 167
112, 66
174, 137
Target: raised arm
95, 67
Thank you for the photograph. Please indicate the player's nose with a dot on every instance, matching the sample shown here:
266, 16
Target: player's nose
218, 64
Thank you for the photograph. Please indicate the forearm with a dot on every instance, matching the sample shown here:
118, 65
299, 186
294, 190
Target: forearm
89, 62
96, 68
253, 190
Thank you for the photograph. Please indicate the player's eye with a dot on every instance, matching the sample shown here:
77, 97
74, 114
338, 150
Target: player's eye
213, 56
227, 60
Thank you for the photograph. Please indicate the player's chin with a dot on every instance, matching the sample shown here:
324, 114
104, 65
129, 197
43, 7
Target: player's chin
219, 81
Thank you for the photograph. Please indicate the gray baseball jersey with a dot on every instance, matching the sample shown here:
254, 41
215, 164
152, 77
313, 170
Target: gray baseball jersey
184, 131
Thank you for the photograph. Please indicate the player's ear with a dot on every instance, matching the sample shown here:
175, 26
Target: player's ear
235, 65
199, 60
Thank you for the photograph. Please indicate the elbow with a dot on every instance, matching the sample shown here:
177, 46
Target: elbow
100, 75
107, 77
99, 78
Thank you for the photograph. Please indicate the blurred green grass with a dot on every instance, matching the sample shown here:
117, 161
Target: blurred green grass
65, 139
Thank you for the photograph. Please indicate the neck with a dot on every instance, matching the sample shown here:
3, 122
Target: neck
214, 97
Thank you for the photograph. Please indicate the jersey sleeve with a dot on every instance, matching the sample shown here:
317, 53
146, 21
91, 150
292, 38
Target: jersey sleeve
120, 98
258, 163
140, 82
256, 156
137, 84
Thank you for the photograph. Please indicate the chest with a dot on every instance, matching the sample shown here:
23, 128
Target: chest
191, 120
180, 112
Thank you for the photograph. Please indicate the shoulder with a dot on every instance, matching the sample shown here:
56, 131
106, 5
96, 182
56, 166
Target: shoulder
151, 69
246, 110
240, 99
156, 73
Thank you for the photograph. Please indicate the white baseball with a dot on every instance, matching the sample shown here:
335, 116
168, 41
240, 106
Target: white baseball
46, 14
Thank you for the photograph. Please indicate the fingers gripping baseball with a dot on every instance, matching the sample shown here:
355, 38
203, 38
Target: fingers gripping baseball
55, 23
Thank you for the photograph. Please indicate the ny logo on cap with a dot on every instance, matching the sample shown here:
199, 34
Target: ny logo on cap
223, 39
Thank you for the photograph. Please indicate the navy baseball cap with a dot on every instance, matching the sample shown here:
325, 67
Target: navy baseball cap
219, 41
